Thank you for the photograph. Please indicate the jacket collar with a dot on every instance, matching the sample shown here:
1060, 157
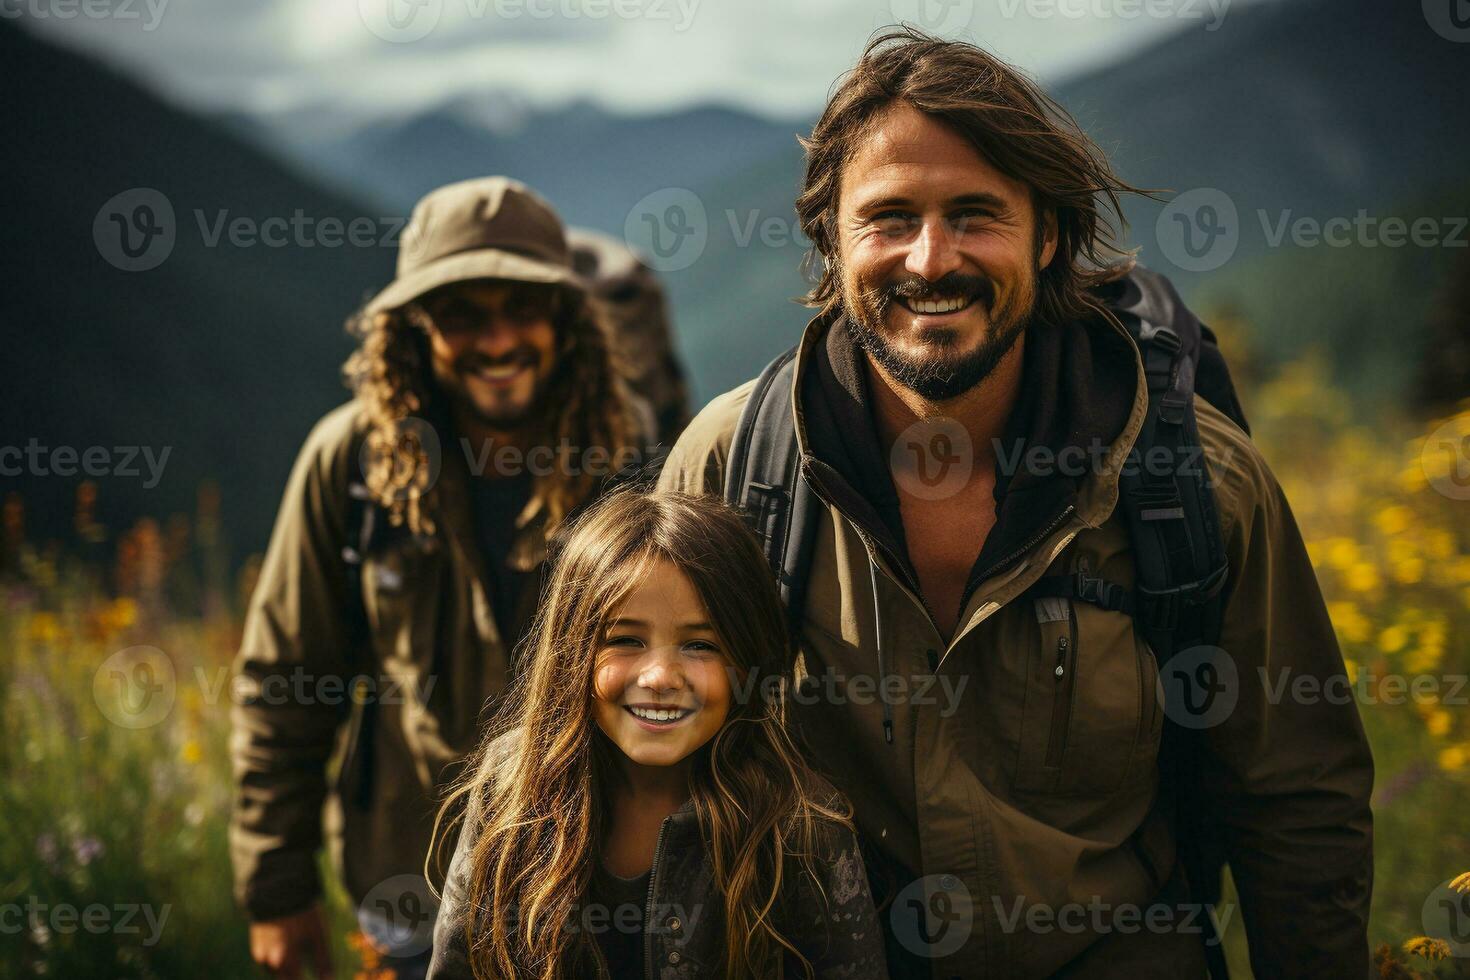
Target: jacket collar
1082, 386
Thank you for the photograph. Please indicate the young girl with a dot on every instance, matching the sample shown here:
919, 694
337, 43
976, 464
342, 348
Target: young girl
638, 809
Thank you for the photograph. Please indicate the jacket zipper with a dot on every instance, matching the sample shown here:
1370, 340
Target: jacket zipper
1020, 552
1066, 678
658, 846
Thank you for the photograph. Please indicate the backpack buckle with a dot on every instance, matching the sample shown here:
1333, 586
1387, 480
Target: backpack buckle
1166, 338
1099, 592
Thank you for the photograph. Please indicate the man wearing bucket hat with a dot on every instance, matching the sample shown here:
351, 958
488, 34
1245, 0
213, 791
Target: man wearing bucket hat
404, 564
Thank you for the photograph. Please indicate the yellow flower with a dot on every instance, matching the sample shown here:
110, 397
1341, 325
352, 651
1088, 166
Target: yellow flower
1453, 758
1438, 722
1430, 949
1341, 553
1424, 658
1412, 477
1351, 624
191, 752
1362, 577
1409, 572
1393, 519
44, 628
1440, 544
1392, 640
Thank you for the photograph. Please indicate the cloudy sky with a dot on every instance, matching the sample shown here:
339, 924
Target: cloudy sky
777, 57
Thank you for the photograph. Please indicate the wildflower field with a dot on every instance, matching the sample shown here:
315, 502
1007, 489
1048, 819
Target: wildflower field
113, 860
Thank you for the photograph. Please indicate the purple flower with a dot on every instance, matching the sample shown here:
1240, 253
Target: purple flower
85, 849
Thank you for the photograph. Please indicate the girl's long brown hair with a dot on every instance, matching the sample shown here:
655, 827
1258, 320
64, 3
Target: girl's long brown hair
390, 375
540, 795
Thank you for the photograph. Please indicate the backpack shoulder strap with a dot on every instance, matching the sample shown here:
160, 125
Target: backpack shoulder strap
764, 479
363, 521
1165, 491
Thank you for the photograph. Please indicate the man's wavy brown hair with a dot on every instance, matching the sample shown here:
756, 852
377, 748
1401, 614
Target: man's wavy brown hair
1010, 121
392, 377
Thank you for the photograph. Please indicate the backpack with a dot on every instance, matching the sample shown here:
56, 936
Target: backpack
1180, 562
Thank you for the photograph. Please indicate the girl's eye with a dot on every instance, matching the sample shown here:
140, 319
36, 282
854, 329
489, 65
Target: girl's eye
624, 641
701, 647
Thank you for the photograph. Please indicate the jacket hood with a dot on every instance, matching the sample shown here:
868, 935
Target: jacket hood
1082, 388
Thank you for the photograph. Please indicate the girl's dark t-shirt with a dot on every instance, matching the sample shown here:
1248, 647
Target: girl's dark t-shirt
614, 915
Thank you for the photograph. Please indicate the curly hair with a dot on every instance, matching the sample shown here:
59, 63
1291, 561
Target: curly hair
391, 375
1010, 121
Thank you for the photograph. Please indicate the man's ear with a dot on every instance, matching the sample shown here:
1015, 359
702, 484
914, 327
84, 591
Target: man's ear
1047, 245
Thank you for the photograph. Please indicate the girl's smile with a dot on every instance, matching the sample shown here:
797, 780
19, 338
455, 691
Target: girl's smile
657, 718
661, 685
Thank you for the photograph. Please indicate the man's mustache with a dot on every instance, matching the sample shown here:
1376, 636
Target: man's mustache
950, 284
878, 298
472, 362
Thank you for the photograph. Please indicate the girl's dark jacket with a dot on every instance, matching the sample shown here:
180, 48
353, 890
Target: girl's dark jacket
684, 935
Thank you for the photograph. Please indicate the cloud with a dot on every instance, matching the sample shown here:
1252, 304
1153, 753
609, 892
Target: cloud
772, 56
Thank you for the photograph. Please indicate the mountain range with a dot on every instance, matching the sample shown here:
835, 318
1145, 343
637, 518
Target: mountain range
230, 348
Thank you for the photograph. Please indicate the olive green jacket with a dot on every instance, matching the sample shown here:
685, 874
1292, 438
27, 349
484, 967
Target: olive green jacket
311, 765
1016, 819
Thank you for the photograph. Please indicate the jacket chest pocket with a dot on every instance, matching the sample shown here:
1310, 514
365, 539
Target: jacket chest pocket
400, 588
1092, 714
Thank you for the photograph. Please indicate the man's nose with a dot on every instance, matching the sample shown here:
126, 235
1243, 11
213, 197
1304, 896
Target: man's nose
934, 253
496, 335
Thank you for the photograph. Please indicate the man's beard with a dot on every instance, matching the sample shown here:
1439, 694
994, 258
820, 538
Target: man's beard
939, 373
510, 418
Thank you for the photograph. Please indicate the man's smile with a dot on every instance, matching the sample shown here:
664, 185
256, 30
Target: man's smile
936, 306
503, 373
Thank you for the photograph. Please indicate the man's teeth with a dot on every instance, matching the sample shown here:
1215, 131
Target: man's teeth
938, 305
501, 372
660, 714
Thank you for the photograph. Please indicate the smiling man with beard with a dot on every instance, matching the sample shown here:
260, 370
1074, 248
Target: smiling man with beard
964, 266
407, 555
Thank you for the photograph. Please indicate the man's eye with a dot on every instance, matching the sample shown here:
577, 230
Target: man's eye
453, 319
970, 218
892, 222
